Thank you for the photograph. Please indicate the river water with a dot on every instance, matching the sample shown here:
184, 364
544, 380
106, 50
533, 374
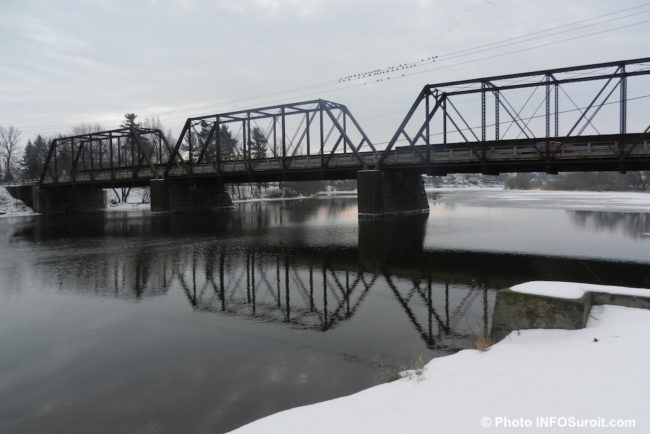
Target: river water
136, 322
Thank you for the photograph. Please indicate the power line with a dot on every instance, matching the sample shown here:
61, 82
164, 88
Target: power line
550, 29
449, 55
460, 53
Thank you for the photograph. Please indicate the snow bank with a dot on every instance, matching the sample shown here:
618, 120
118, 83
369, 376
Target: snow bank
596, 372
133, 202
11, 207
574, 290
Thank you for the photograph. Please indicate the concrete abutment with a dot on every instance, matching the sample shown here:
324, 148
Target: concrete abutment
60, 199
520, 311
390, 192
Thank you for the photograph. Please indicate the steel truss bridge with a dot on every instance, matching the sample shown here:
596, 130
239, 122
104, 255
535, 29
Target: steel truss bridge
582, 118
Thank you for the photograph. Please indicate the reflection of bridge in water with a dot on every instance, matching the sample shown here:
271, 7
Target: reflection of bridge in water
309, 293
446, 296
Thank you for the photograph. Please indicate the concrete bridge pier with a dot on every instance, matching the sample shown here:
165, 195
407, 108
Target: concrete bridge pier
390, 192
66, 199
189, 195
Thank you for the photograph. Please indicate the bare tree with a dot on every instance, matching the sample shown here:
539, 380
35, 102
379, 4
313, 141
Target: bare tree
154, 123
8, 150
86, 129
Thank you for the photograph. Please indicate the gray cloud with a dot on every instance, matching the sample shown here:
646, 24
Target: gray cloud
78, 61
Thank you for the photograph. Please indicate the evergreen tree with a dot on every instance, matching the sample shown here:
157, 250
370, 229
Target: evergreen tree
29, 163
257, 146
227, 143
34, 158
129, 121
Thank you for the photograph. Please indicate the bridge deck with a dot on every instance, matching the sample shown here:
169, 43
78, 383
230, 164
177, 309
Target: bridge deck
588, 153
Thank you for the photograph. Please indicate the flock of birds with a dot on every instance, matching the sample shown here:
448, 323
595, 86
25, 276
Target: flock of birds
381, 72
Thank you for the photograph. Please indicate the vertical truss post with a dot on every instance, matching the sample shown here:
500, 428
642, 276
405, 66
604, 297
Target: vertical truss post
427, 128
101, 154
248, 139
189, 139
623, 118
322, 136
308, 127
73, 161
496, 114
547, 101
119, 151
444, 119
557, 109
132, 143
345, 149
482, 112
483, 144
110, 154
243, 139
623, 101
218, 146
90, 152
284, 140
133, 164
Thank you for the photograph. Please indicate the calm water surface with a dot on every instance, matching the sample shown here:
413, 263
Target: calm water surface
133, 322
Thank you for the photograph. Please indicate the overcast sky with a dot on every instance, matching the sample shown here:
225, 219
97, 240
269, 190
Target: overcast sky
70, 62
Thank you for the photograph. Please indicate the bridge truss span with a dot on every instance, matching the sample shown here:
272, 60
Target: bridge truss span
537, 115
308, 136
124, 155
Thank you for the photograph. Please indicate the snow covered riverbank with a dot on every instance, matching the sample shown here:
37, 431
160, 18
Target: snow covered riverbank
10, 207
595, 377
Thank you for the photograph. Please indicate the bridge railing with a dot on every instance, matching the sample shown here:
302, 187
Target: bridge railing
541, 107
273, 138
113, 154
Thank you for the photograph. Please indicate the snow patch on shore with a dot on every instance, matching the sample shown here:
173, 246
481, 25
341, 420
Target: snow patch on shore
134, 201
574, 289
11, 207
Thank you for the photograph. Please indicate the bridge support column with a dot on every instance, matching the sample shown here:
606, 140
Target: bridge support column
67, 199
184, 195
387, 192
